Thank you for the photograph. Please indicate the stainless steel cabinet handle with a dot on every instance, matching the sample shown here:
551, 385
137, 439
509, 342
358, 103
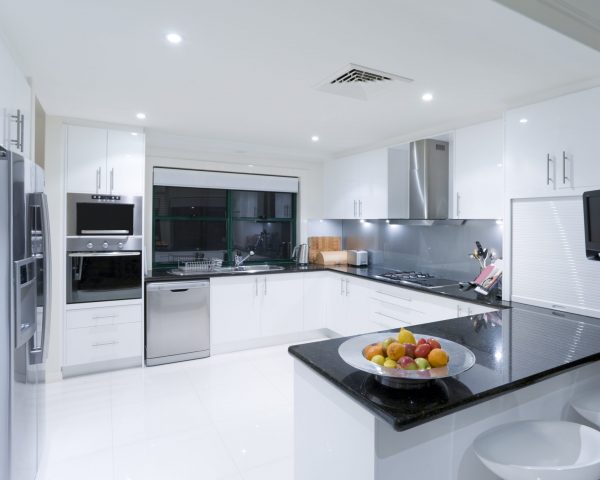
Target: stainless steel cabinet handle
360, 208
457, 205
99, 178
395, 296
18, 119
355, 208
347, 289
112, 179
104, 344
341, 286
565, 178
22, 132
256, 287
548, 160
265, 280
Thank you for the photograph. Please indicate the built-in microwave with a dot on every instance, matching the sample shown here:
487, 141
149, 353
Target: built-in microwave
103, 215
591, 214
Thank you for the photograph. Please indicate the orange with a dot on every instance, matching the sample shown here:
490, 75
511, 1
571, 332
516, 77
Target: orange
438, 358
373, 350
395, 350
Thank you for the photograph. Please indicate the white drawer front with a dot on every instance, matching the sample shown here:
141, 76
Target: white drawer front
95, 317
103, 342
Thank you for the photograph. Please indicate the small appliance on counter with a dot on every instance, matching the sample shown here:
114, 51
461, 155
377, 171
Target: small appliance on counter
358, 258
300, 254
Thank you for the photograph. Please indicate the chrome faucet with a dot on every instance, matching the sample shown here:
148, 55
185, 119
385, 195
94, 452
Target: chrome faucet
238, 260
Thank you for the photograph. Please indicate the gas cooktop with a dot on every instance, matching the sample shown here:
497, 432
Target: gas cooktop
420, 279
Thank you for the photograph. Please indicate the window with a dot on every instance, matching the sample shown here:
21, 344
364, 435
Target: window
195, 223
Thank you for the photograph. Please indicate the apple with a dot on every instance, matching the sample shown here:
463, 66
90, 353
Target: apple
422, 350
421, 341
434, 343
422, 363
409, 350
407, 363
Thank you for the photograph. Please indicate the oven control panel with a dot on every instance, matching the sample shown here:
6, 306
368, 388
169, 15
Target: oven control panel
106, 197
99, 244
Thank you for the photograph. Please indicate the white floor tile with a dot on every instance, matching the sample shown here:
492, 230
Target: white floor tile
226, 417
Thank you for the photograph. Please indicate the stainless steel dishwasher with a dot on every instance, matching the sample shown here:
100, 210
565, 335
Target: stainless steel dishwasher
177, 321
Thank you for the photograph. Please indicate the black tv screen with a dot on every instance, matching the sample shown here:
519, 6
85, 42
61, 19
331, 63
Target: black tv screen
593, 207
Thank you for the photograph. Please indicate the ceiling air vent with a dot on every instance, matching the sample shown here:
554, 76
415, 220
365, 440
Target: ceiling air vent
361, 83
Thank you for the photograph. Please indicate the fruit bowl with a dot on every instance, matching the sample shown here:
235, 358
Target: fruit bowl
351, 351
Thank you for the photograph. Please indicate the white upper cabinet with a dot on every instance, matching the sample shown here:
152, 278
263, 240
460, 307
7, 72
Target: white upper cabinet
105, 161
86, 159
125, 162
357, 186
478, 171
15, 106
550, 147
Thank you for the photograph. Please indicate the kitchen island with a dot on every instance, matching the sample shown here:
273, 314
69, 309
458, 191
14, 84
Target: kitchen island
529, 362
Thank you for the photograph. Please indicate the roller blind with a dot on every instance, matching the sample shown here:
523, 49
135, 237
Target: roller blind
174, 177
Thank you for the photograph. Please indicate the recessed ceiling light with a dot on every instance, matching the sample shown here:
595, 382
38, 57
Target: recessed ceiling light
140, 116
523, 120
427, 97
250, 165
499, 165
174, 38
135, 134
315, 138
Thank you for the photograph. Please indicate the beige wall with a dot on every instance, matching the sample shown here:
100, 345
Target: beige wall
165, 151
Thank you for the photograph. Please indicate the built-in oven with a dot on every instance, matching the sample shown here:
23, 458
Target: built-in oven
103, 215
101, 269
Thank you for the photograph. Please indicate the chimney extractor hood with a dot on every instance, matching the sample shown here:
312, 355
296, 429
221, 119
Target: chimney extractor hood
428, 180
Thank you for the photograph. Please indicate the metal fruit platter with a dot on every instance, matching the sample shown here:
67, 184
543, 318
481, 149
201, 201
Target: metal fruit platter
351, 351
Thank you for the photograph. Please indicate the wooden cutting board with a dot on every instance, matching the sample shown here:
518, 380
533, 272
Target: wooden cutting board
322, 244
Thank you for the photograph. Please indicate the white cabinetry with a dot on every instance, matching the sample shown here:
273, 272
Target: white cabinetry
104, 161
15, 106
348, 305
98, 338
550, 146
249, 307
316, 297
478, 171
356, 186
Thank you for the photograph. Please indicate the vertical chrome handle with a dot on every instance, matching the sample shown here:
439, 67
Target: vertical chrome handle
457, 205
22, 137
265, 287
97, 180
112, 179
360, 208
17, 119
355, 208
565, 178
341, 286
256, 287
548, 160
458, 310
347, 285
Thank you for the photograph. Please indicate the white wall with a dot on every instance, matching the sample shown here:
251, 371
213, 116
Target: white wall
161, 150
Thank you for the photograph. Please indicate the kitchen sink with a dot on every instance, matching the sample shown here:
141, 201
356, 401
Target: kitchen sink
250, 269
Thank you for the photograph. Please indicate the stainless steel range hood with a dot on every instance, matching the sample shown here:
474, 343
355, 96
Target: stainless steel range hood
419, 181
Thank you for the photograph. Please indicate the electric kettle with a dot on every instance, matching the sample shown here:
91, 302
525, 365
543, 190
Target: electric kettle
300, 254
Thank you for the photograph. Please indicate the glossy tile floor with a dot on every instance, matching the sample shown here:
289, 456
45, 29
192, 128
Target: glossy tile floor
227, 417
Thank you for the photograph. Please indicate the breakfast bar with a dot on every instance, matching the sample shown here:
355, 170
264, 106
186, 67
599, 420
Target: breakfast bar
530, 362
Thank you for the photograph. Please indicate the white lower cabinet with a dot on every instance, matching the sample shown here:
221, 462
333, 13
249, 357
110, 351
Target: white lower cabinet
348, 305
250, 307
94, 335
315, 295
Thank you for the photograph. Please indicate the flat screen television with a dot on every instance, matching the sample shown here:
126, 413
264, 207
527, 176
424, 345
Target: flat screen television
591, 214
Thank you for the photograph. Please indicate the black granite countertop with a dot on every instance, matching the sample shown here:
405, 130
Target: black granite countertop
514, 348
367, 273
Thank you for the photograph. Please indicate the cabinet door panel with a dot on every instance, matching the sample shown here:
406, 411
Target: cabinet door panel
6, 95
125, 163
335, 318
234, 309
580, 121
527, 147
23, 104
86, 159
357, 308
315, 298
281, 304
478, 172
339, 190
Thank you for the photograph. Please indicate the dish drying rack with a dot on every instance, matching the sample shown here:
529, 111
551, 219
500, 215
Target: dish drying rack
207, 265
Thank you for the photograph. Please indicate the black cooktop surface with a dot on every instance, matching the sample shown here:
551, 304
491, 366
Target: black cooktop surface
415, 278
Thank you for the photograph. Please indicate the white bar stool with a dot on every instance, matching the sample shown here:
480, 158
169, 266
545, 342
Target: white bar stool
587, 404
541, 450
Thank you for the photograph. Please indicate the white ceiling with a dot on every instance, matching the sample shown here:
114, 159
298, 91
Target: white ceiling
246, 70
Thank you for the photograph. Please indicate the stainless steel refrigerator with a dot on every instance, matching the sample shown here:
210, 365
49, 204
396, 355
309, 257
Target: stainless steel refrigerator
24, 315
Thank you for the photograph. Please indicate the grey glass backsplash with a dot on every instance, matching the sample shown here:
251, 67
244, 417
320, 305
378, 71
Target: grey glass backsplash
442, 250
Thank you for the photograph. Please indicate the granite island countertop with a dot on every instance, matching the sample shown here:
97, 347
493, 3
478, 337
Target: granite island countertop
513, 347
